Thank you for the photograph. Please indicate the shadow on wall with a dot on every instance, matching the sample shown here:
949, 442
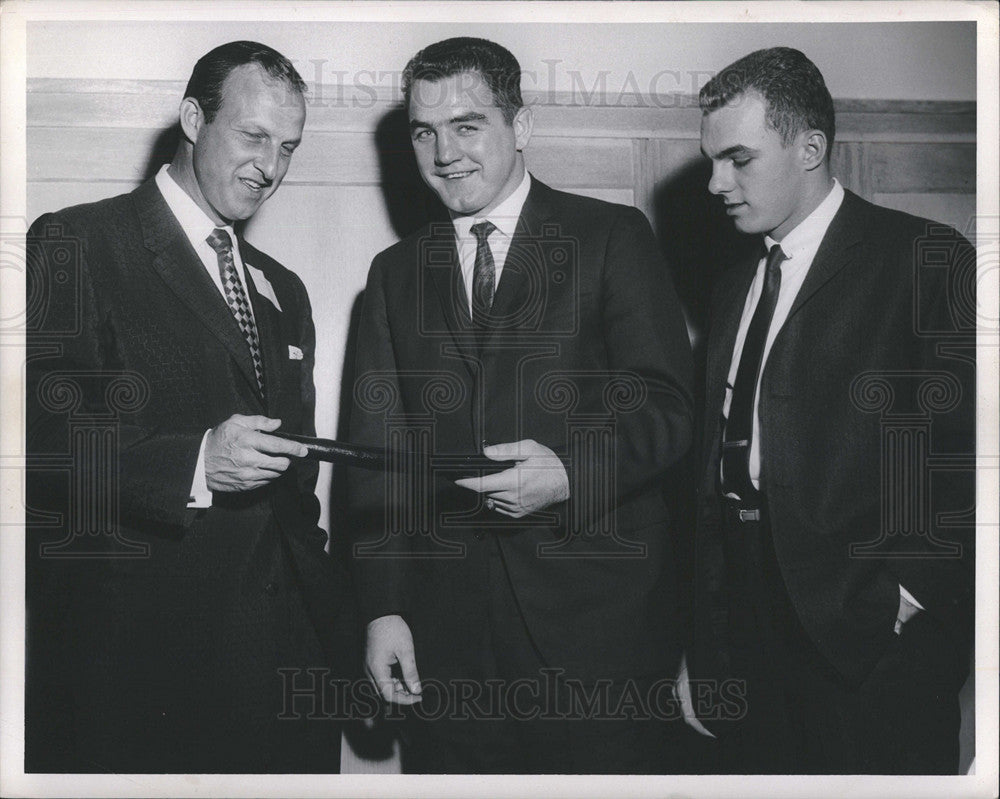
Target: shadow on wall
698, 241
162, 151
409, 205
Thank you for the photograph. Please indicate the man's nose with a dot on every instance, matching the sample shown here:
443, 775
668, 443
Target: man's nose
445, 151
267, 163
721, 180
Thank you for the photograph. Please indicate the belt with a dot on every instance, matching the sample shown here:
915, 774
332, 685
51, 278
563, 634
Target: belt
743, 510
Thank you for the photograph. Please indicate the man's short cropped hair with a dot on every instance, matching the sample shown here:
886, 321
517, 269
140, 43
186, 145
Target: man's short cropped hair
450, 57
794, 92
212, 69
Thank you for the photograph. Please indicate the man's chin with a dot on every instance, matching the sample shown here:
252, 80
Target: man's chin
748, 226
460, 207
455, 200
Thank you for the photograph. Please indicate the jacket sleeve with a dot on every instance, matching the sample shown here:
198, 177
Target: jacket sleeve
650, 365
307, 472
938, 565
73, 372
375, 553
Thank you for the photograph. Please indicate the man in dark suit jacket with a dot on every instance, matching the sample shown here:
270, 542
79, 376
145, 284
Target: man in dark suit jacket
837, 485
537, 327
181, 588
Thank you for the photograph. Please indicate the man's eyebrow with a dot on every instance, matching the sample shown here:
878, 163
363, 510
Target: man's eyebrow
729, 152
472, 116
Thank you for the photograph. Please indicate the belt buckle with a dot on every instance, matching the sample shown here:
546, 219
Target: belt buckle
752, 515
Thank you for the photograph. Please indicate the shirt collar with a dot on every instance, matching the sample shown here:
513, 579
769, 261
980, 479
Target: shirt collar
807, 235
196, 224
504, 216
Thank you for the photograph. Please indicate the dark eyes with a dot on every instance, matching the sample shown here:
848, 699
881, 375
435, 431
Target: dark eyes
463, 129
741, 162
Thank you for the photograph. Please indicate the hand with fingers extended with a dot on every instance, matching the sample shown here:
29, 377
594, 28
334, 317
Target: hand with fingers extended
388, 642
537, 481
240, 456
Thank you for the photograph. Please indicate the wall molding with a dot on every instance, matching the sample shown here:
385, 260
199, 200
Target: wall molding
623, 147
64, 102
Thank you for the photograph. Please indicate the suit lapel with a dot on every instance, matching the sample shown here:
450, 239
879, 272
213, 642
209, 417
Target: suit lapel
176, 262
442, 270
524, 266
838, 249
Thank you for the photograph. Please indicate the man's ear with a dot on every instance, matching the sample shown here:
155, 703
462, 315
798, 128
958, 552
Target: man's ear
813, 149
522, 123
191, 118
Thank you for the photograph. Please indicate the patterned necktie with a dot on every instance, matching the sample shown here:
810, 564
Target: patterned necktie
739, 426
219, 241
483, 275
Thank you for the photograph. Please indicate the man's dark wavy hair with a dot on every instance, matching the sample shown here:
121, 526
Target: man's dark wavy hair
795, 95
212, 69
450, 57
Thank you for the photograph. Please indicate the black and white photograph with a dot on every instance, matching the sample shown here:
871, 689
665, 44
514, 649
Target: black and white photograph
499, 399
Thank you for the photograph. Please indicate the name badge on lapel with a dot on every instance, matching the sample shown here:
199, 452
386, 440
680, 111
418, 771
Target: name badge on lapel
263, 285
294, 353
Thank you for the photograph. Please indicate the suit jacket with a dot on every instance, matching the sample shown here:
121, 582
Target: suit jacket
866, 409
162, 633
587, 354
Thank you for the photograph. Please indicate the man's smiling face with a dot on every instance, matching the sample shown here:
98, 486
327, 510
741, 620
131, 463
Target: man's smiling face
466, 151
241, 156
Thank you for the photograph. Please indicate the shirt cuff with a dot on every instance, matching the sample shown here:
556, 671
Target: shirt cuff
910, 598
201, 496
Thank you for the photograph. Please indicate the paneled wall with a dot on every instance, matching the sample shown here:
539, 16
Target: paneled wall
352, 189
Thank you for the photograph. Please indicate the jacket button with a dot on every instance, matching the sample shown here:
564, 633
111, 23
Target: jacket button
271, 589
479, 536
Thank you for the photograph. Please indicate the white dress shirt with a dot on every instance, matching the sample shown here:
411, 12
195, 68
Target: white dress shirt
504, 217
198, 226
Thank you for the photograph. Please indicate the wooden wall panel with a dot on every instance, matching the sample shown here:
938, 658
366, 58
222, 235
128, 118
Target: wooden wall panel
905, 168
851, 163
581, 163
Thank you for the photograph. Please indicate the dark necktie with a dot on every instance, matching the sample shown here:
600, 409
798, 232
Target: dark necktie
484, 274
219, 241
739, 426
